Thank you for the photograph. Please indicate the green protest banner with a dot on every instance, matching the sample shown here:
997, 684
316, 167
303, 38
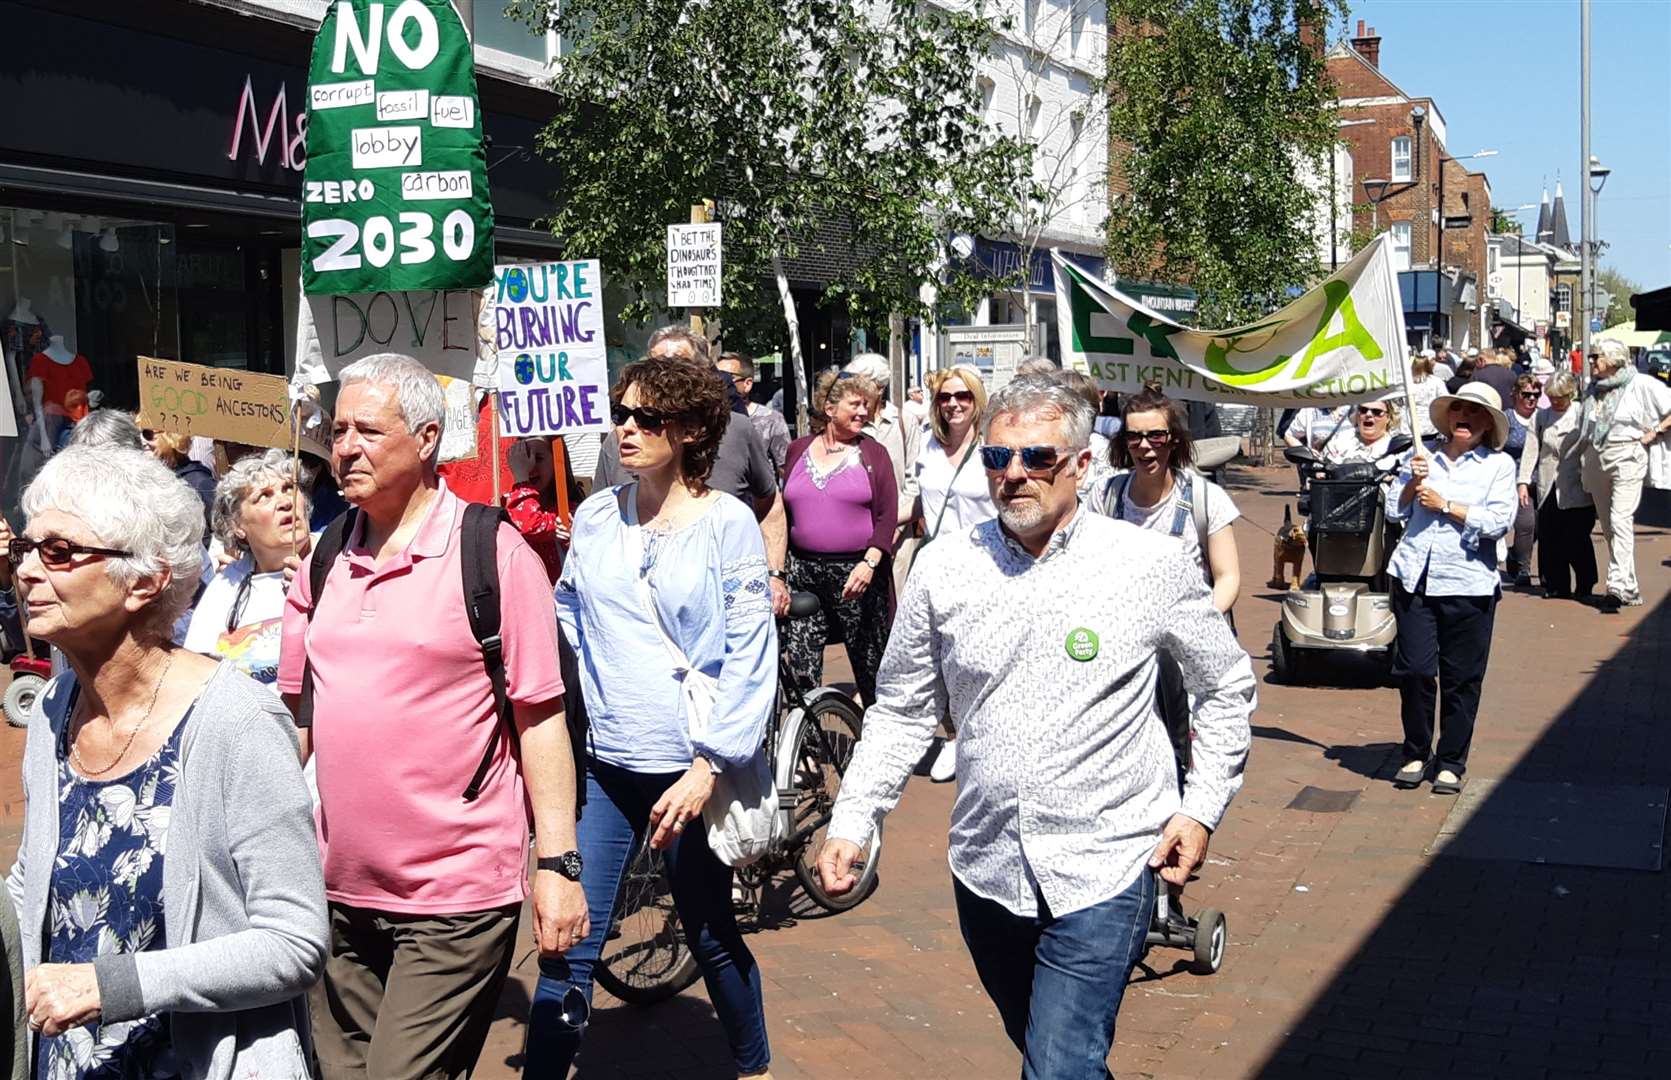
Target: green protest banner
394, 197
1341, 342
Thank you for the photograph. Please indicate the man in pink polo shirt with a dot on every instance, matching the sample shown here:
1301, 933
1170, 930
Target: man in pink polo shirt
424, 886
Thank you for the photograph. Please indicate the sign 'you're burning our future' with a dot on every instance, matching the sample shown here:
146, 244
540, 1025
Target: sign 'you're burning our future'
395, 193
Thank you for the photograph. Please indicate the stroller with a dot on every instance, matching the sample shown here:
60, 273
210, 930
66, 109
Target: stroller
1206, 934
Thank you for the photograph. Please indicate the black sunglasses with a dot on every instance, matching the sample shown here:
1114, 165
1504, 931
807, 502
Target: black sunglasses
962, 397
1035, 459
1157, 437
56, 552
1371, 412
648, 420
1529, 395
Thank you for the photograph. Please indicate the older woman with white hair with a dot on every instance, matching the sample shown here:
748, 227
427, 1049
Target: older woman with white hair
262, 521
1551, 480
168, 880
1623, 416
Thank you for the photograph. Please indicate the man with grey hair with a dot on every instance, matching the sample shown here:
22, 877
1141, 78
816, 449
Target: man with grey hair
1039, 632
425, 863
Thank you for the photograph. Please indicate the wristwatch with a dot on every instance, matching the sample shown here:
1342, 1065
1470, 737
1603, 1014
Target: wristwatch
568, 864
872, 565
779, 574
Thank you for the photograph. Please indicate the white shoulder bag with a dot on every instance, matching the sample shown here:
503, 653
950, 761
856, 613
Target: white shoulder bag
741, 815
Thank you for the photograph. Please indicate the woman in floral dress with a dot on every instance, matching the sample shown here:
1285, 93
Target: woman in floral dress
167, 884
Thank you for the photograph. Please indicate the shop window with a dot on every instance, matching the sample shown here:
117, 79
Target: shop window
1401, 245
1563, 298
497, 30
1401, 158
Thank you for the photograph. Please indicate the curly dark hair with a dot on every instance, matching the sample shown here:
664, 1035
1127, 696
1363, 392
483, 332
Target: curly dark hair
1182, 444
694, 395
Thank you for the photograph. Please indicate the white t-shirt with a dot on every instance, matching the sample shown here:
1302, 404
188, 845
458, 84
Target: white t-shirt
1221, 511
1313, 425
240, 618
1347, 447
970, 498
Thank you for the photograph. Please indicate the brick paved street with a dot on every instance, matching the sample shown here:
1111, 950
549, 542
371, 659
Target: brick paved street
1355, 951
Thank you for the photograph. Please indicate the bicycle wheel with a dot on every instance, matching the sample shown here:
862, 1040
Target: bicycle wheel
645, 959
824, 737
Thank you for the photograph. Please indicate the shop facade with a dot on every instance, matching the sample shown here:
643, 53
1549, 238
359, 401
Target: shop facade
150, 188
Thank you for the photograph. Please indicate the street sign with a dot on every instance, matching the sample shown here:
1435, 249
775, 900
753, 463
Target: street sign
394, 197
693, 266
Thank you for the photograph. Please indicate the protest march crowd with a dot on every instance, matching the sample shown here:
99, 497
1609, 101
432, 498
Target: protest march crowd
309, 721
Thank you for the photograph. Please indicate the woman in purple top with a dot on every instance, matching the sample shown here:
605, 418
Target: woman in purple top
842, 505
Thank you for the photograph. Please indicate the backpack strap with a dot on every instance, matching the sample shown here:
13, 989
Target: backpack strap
479, 563
1115, 499
1197, 494
331, 542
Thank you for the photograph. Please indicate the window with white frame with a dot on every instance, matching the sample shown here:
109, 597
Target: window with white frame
1076, 28
1401, 245
988, 91
1401, 158
1070, 189
1030, 17
1563, 298
1034, 108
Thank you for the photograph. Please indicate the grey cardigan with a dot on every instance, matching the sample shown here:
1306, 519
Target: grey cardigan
244, 897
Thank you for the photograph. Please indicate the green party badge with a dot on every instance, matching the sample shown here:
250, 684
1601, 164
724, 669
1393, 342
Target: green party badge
1082, 644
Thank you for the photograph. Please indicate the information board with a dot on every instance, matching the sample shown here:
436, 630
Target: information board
548, 333
216, 403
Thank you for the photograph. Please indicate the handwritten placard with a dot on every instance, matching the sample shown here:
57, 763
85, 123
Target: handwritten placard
548, 331
217, 403
693, 266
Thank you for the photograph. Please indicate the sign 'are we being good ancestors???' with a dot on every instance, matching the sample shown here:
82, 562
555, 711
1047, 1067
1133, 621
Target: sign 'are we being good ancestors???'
394, 197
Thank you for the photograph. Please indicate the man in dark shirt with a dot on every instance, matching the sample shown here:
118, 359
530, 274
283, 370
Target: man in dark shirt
1496, 370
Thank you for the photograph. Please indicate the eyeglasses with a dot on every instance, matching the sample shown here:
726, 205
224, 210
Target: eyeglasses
1371, 412
1529, 395
648, 420
1157, 437
962, 397
56, 552
1034, 459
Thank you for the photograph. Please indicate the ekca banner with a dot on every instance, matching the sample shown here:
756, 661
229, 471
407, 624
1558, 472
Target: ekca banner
1341, 342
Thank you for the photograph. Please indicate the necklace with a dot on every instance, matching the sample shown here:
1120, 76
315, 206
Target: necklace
75, 755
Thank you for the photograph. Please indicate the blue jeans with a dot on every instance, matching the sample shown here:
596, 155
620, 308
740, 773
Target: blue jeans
1057, 982
617, 814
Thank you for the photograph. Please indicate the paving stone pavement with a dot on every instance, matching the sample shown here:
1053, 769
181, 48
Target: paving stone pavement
1356, 951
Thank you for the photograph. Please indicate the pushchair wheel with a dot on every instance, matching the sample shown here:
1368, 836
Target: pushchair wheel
1211, 936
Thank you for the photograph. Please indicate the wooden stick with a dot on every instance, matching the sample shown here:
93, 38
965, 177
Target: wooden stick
296, 478
560, 476
493, 445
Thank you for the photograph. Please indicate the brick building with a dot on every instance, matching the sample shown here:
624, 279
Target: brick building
1405, 180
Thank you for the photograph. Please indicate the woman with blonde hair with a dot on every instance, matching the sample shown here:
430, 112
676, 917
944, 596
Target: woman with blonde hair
842, 507
174, 451
951, 490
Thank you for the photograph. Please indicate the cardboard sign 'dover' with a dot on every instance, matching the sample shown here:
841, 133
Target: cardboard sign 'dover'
216, 403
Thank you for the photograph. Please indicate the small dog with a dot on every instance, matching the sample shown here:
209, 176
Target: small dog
1289, 549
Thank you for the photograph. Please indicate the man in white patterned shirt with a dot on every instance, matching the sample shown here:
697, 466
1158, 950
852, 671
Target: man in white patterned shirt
1039, 632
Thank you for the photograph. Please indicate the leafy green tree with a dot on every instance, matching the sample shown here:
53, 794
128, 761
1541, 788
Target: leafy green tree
1620, 288
810, 123
1216, 106
1504, 223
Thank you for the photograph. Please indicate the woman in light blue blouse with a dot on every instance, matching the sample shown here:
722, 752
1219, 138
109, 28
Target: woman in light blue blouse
1459, 503
704, 560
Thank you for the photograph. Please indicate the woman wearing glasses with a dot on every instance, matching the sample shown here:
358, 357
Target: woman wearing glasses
1523, 412
952, 493
1157, 489
843, 506
1368, 436
658, 564
168, 879
1458, 503
1552, 483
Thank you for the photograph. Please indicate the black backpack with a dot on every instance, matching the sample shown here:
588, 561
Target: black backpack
479, 563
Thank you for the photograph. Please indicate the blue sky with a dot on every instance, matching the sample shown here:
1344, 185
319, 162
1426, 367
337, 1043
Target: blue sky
1505, 73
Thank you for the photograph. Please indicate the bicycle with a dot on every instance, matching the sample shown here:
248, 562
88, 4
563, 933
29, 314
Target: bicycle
810, 742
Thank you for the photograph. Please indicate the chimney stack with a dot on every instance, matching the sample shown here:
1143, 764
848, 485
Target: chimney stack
1368, 46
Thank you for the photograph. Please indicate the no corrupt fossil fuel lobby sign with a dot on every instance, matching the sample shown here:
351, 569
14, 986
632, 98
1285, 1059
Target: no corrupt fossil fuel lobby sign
395, 193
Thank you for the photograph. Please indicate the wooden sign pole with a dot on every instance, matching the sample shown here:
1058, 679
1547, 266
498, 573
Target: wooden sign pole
493, 446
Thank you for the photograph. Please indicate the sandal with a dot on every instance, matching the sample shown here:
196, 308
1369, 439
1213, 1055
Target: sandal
1410, 776
1447, 783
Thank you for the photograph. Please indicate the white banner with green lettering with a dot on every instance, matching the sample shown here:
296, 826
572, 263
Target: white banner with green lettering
1341, 342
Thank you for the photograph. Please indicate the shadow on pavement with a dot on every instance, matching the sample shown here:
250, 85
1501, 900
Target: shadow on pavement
1486, 967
